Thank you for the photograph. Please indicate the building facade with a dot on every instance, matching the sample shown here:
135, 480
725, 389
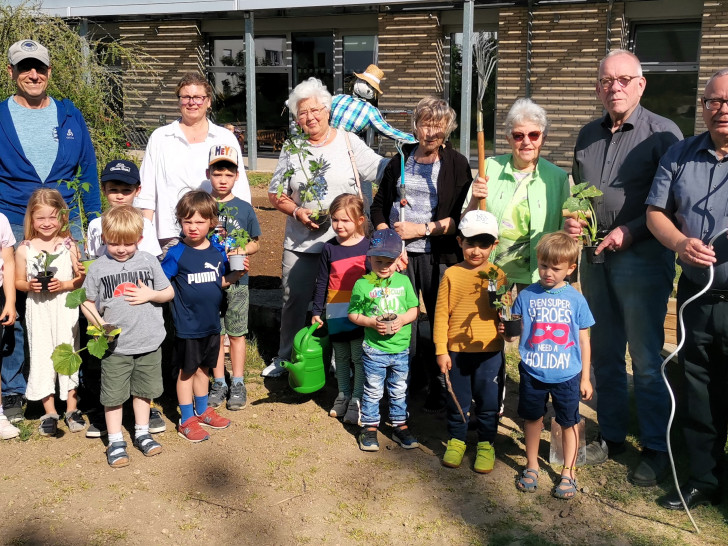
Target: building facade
547, 49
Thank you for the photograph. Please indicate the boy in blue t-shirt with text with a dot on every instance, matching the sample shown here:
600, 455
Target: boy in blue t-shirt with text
385, 304
555, 357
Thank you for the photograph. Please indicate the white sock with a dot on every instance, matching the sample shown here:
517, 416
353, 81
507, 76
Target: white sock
116, 437
141, 430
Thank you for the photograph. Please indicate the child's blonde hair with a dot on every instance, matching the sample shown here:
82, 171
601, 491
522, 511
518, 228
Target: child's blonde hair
354, 208
197, 201
122, 224
556, 248
46, 197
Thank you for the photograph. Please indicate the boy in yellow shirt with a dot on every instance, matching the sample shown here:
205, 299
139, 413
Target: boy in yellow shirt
467, 343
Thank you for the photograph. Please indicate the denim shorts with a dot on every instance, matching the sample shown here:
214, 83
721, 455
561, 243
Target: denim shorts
534, 394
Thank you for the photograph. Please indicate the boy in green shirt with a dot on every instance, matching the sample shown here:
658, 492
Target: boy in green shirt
385, 304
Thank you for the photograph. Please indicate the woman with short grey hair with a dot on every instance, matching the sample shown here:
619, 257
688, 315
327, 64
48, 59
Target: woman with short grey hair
524, 192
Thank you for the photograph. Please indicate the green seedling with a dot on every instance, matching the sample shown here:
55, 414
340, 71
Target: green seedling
42, 262
66, 361
315, 188
580, 203
78, 188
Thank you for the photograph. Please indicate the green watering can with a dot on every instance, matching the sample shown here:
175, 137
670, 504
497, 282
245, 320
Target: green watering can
311, 349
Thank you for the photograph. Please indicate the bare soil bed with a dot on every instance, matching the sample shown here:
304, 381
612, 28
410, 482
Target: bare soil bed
287, 473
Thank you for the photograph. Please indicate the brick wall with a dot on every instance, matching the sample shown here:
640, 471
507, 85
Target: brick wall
411, 56
713, 48
567, 44
176, 47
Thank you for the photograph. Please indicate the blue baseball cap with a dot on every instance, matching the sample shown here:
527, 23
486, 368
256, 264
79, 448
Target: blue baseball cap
121, 170
385, 242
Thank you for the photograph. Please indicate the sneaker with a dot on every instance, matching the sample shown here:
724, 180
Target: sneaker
368, 439
238, 397
13, 407
7, 430
403, 437
96, 425
340, 406
353, 412
453, 456
156, 421
211, 419
48, 424
274, 369
598, 451
218, 394
74, 421
654, 466
485, 458
192, 431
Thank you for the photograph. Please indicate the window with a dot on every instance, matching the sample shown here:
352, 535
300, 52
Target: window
669, 55
313, 56
358, 55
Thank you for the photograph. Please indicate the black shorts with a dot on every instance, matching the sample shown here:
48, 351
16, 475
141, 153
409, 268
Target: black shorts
199, 352
533, 395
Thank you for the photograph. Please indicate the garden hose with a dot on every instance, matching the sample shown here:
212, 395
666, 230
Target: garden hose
669, 389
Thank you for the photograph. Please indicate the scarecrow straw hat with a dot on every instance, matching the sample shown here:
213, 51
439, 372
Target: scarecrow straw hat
373, 76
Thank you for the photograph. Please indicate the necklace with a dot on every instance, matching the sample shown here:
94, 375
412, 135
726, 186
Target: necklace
326, 137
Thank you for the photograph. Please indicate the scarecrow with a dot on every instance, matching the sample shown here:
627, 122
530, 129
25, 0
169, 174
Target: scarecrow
353, 112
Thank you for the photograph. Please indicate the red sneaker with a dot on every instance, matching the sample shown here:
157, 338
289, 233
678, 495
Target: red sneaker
211, 419
192, 431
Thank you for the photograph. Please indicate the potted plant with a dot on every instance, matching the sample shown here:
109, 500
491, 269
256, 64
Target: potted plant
492, 276
510, 320
65, 360
580, 206
236, 240
78, 188
40, 268
386, 315
314, 189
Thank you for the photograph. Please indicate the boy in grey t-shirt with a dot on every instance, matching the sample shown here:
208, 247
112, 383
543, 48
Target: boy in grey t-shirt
126, 286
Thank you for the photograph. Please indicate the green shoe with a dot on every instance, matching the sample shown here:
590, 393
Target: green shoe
485, 458
454, 454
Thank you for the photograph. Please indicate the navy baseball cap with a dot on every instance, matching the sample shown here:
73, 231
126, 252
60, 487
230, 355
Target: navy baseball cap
385, 242
121, 170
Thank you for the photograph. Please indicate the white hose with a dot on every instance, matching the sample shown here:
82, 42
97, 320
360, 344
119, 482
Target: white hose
669, 389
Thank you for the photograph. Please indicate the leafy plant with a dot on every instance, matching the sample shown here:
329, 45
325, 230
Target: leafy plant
42, 262
238, 237
78, 188
383, 284
65, 360
492, 276
315, 188
581, 204
504, 303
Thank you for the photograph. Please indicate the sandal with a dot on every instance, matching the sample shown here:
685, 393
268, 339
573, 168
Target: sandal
147, 445
528, 486
116, 455
566, 488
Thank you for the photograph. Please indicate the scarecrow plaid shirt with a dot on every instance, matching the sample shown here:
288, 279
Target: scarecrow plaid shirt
355, 115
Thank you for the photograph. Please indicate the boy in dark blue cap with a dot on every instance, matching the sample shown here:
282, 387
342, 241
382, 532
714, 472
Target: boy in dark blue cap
385, 304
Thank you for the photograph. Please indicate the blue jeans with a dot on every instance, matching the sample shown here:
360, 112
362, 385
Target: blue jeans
628, 297
381, 367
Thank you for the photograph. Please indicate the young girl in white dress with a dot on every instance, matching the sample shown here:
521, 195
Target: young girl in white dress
48, 321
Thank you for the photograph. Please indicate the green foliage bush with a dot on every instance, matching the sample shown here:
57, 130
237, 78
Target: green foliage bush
81, 70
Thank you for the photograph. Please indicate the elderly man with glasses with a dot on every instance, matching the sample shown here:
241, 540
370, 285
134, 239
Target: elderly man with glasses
686, 210
627, 294
43, 141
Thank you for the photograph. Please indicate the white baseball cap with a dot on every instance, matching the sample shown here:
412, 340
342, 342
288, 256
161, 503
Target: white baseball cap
28, 49
220, 152
478, 222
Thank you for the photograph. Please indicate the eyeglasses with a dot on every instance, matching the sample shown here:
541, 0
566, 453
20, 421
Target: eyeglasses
623, 81
315, 112
532, 136
197, 99
713, 104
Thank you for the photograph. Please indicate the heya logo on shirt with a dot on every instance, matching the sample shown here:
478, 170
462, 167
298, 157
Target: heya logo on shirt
118, 285
205, 276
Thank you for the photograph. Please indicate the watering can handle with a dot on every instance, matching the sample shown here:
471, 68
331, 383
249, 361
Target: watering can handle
309, 332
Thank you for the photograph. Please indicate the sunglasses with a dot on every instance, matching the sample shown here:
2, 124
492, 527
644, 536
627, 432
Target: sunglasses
532, 136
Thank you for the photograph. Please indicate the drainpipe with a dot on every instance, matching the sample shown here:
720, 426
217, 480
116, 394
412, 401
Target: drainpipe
609, 26
251, 125
529, 47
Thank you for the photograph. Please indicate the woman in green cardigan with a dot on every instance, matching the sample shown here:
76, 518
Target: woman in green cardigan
524, 192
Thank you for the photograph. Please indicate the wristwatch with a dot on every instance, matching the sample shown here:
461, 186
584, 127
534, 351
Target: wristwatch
427, 229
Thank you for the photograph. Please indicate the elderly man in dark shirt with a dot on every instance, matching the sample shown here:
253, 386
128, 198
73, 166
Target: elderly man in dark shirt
687, 209
627, 294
